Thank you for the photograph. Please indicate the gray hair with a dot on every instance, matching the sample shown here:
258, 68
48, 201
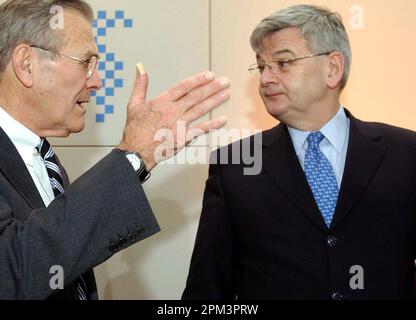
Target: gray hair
28, 21
322, 29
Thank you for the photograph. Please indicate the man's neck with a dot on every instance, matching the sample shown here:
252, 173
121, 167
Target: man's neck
313, 118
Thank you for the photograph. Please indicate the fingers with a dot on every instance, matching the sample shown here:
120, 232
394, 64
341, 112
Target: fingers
205, 127
207, 105
203, 92
139, 92
187, 85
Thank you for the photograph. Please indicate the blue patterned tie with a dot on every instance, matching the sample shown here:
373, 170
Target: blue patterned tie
321, 177
55, 178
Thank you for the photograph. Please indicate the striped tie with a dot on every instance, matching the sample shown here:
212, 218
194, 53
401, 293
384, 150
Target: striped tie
55, 178
54, 172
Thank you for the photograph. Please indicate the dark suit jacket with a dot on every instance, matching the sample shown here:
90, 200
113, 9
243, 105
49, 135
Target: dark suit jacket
263, 237
102, 212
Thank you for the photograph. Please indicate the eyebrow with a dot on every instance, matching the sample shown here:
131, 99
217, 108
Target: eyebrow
277, 53
91, 53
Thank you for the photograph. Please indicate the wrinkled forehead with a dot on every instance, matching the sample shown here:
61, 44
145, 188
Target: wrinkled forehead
287, 41
77, 32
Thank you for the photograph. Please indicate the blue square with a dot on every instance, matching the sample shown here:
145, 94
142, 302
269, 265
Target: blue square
109, 57
111, 23
109, 92
100, 118
100, 100
109, 74
118, 83
119, 65
109, 109
102, 14
95, 23
101, 48
128, 23
93, 93
103, 83
119, 14
101, 32
101, 65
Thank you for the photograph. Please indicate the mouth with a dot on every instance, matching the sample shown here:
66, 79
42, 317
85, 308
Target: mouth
272, 95
82, 104
270, 92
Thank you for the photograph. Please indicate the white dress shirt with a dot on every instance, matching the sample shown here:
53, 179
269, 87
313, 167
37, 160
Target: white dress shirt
334, 146
26, 142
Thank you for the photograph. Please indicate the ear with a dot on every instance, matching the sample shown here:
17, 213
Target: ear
336, 69
23, 64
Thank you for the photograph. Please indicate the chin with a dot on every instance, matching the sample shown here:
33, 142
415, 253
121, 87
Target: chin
276, 110
75, 128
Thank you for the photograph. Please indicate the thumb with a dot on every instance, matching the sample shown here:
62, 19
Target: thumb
140, 86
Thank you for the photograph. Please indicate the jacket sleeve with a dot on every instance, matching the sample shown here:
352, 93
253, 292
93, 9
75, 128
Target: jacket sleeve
212, 270
102, 212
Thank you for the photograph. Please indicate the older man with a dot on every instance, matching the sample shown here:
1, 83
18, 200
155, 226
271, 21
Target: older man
332, 215
46, 79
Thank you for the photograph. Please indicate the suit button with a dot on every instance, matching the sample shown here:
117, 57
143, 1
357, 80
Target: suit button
122, 242
139, 229
332, 241
336, 296
113, 247
131, 237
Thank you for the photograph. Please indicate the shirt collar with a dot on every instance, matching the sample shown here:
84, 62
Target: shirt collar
23, 138
334, 131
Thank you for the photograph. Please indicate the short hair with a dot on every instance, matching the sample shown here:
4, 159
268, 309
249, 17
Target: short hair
322, 28
28, 21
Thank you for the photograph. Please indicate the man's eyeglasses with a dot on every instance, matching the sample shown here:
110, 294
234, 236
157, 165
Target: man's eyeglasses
280, 65
91, 63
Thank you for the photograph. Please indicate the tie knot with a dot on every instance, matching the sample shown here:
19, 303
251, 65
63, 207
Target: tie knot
45, 149
314, 139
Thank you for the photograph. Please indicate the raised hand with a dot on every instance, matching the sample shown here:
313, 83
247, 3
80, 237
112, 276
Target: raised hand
183, 103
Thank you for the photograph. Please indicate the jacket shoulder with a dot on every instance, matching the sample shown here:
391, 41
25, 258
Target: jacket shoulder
389, 134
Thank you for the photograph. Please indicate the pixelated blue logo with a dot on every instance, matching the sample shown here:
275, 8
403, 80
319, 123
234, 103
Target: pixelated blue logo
110, 69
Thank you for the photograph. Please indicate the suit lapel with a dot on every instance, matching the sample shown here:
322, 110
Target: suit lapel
364, 156
14, 169
282, 165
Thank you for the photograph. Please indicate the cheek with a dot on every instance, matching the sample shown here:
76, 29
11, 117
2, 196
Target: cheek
306, 83
73, 79
260, 90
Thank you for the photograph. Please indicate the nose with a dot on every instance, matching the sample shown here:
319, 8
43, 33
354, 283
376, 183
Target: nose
268, 77
94, 83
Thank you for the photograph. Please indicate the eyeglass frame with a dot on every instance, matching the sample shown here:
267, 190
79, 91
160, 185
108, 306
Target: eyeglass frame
256, 66
90, 62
